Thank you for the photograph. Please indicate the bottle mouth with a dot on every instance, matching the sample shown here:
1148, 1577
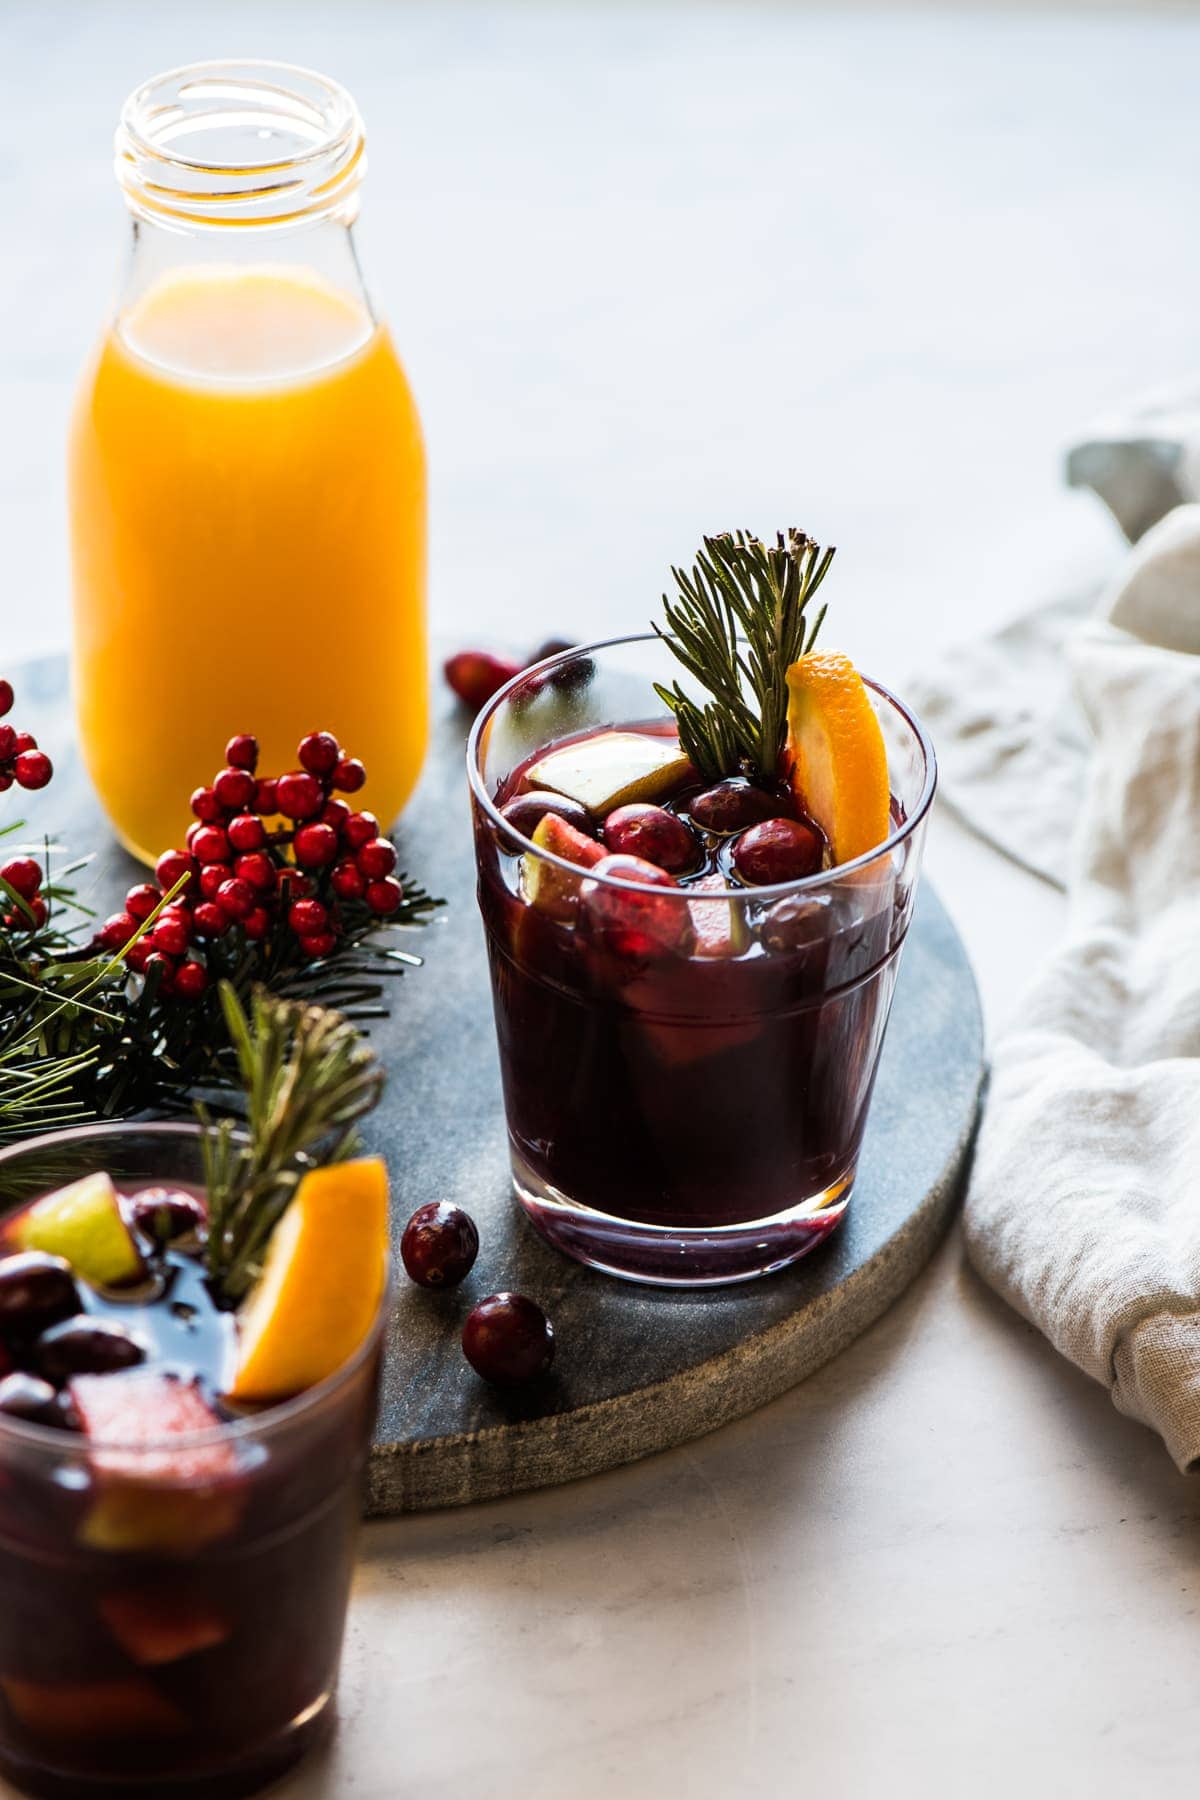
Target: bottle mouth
228, 144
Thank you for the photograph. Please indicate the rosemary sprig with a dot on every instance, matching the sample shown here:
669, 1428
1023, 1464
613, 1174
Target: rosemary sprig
308, 1078
737, 625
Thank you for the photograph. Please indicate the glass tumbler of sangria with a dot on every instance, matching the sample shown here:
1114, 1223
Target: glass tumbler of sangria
690, 997
246, 470
174, 1566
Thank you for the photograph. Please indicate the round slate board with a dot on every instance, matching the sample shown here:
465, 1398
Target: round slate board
637, 1369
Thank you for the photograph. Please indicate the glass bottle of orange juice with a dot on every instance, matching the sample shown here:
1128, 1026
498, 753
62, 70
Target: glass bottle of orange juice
247, 476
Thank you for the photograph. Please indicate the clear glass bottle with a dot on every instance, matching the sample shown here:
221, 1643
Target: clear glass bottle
247, 474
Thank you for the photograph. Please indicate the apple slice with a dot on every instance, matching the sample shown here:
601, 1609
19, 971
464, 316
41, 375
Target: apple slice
149, 1493
551, 889
155, 1629
78, 1712
612, 769
83, 1224
720, 925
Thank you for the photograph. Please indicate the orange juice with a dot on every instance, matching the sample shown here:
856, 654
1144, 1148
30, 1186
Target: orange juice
247, 496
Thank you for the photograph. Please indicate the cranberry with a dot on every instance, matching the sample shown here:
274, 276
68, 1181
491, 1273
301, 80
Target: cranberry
23, 876
116, 931
256, 868
778, 850
172, 936
475, 675
246, 832
377, 859
797, 922
33, 769
191, 979
211, 845
318, 944
307, 917
141, 901
6, 697
205, 805
210, 919
349, 776
235, 789
526, 812
30, 1398
360, 828
35, 1291
348, 881
635, 925
335, 813
241, 752
439, 1245
164, 1215
237, 897
299, 795
508, 1339
8, 743
551, 647
266, 798
384, 897
319, 753
86, 1346
315, 846
257, 924
653, 833
732, 806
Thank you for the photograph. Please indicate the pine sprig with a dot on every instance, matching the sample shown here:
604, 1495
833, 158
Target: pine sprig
737, 624
308, 1077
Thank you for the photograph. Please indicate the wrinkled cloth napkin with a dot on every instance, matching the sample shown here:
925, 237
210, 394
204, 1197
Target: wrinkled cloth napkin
1073, 740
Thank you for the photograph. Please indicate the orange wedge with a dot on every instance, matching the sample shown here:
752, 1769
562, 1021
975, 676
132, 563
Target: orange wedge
321, 1285
836, 749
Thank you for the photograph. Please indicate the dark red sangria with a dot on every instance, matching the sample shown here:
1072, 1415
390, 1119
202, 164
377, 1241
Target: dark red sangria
691, 971
179, 1473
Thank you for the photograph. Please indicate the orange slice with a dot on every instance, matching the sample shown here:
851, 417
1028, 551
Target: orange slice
321, 1285
837, 753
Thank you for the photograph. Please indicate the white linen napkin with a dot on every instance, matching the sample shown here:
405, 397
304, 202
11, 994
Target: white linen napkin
1084, 1202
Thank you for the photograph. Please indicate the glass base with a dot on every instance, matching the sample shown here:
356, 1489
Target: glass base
670, 1256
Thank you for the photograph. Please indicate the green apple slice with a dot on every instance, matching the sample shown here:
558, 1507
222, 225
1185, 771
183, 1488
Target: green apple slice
720, 925
544, 885
83, 1224
611, 769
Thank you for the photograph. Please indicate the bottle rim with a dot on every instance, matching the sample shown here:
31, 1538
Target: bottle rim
251, 143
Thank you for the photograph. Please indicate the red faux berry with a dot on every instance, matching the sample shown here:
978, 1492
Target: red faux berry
235, 789
321, 943
360, 828
349, 775
173, 866
241, 752
384, 897
25, 741
319, 753
165, 967
256, 924
315, 846
116, 931
307, 917
191, 979
246, 832
210, 919
212, 875
377, 859
205, 805
33, 769
335, 813
6, 697
6, 781
296, 885
23, 876
266, 800
299, 795
257, 868
176, 910
27, 920
8, 743
137, 956
171, 935
141, 901
349, 883
211, 844
237, 897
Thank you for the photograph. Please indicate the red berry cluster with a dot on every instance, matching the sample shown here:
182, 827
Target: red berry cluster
24, 877
20, 759
265, 855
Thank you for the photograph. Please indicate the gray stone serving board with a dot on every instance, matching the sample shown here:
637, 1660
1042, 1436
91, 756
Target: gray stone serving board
637, 1369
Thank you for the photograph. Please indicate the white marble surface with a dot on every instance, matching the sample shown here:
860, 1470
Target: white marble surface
944, 1565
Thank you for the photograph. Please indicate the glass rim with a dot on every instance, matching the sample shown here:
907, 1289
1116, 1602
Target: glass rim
252, 1428
742, 896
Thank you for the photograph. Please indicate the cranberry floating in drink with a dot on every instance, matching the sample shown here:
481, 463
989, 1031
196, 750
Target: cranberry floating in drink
697, 862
